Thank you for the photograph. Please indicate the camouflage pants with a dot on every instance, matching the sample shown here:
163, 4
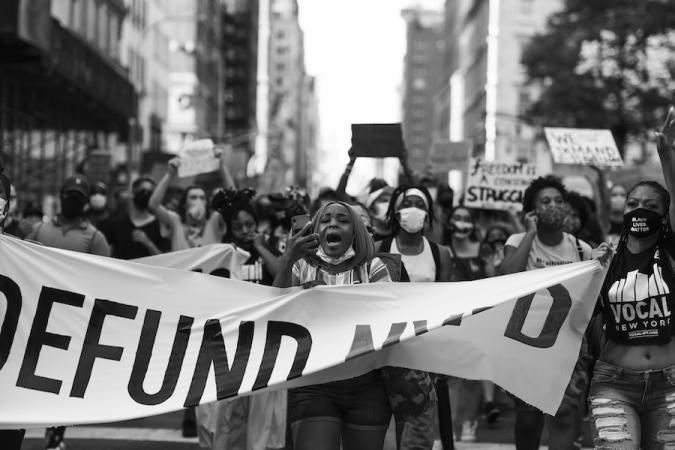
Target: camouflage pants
412, 398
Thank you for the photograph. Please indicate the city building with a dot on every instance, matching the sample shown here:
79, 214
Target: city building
286, 79
484, 84
64, 92
145, 54
240, 52
195, 94
423, 66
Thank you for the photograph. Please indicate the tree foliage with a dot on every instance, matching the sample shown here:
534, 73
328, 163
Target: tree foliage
604, 64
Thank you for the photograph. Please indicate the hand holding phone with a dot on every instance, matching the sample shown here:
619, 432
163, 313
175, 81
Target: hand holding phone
297, 222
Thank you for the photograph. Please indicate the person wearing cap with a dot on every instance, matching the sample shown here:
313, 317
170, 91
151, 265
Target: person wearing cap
97, 210
70, 229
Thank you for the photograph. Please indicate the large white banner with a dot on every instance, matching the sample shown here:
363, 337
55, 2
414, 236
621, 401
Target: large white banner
87, 339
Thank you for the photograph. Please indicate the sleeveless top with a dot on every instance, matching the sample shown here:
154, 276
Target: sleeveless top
420, 267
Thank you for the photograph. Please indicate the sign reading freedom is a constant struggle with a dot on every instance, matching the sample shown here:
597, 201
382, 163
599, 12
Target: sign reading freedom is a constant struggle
79, 331
497, 185
583, 146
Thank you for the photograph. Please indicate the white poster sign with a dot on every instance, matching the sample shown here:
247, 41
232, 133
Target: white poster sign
497, 185
583, 146
198, 157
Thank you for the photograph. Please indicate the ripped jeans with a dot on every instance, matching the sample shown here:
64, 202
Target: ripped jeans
632, 410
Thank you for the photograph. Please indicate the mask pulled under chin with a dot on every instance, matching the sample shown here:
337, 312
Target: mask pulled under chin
335, 260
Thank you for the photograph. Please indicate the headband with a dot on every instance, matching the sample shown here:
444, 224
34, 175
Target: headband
411, 192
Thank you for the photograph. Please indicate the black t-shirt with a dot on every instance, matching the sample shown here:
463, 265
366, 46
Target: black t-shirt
638, 299
118, 231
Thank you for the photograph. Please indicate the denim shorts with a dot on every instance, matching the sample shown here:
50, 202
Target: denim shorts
360, 402
632, 409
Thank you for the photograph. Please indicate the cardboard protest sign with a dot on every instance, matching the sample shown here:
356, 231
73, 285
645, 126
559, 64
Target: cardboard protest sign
377, 140
80, 331
497, 185
447, 155
583, 146
197, 157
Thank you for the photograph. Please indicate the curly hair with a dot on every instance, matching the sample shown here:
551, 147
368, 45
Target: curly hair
537, 185
390, 218
229, 203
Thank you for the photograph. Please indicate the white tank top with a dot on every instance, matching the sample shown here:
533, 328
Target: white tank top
419, 267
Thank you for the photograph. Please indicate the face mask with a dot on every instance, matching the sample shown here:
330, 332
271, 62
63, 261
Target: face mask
412, 219
141, 198
197, 210
72, 206
617, 203
335, 260
97, 201
551, 217
461, 228
381, 211
643, 222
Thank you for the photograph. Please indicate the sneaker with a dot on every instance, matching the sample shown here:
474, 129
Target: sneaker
469, 431
491, 413
189, 429
54, 440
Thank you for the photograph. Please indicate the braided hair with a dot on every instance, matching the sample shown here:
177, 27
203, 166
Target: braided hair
664, 243
390, 217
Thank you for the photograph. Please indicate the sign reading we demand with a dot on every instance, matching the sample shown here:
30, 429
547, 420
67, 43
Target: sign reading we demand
583, 146
497, 185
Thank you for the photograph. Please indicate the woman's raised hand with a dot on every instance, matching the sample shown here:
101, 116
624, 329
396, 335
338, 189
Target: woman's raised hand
666, 134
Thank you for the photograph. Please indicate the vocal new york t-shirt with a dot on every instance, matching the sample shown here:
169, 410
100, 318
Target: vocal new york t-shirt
638, 303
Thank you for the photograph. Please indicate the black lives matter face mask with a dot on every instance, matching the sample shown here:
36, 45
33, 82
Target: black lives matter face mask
642, 222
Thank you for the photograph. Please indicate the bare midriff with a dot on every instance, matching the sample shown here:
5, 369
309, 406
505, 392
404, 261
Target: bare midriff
639, 357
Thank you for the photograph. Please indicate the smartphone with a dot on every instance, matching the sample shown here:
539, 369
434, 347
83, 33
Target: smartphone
297, 222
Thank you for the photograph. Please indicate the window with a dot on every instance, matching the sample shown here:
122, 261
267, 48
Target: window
92, 18
523, 100
102, 35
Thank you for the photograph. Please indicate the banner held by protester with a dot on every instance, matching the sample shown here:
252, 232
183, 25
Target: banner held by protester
146, 340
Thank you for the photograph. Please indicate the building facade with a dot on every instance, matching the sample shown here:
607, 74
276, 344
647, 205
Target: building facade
64, 92
484, 79
195, 94
423, 65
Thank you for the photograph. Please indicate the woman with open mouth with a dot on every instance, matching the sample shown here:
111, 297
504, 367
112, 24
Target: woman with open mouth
336, 249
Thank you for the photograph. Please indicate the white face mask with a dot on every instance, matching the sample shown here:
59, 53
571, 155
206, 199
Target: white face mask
335, 260
381, 210
412, 219
197, 210
97, 201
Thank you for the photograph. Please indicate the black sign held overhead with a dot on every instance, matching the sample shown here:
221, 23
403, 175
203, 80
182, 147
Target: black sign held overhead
377, 140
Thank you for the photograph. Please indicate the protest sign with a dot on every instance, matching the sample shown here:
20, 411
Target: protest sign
377, 140
583, 146
447, 155
81, 331
497, 185
197, 157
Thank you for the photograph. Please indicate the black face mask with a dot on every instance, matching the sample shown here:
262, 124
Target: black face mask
642, 222
142, 198
72, 206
